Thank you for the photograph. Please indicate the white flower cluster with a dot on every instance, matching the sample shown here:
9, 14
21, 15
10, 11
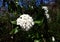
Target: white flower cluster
46, 11
25, 21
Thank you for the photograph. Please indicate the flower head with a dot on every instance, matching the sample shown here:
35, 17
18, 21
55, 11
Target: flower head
45, 8
46, 11
25, 21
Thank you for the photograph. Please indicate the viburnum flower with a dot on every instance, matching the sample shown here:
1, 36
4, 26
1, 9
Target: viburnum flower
47, 15
45, 8
25, 21
46, 11
53, 38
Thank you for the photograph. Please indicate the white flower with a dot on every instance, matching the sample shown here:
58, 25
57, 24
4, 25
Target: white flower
11, 37
25, 21
53, 38
16, 2
45, 7
31, 6
46, 11
47, 15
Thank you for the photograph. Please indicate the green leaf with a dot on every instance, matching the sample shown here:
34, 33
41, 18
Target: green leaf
36, 40
13, 22
14, 31
38, 22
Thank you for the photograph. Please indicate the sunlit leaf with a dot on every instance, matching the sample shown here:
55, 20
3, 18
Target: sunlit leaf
14, 31
13, 22
36, 40
39, 22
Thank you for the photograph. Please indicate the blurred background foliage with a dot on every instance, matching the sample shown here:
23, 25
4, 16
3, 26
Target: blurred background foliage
10, 10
